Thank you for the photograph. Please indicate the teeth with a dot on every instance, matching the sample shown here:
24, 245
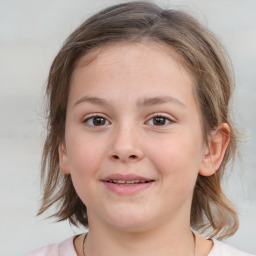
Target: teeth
119, 181
127, 181
130, 181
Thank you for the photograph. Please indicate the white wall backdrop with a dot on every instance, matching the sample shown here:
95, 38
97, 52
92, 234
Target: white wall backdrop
31, 32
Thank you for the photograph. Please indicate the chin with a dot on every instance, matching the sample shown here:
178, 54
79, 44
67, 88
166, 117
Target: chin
131, 222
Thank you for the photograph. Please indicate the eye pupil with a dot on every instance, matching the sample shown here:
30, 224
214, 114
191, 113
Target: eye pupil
159, 121
98, 121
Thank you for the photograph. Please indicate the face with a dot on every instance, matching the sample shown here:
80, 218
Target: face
133, 140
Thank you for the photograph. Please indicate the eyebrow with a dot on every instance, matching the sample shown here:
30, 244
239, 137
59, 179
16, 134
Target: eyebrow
146, 102
92, 100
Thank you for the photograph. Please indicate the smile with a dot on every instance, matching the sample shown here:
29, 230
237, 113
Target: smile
127, 184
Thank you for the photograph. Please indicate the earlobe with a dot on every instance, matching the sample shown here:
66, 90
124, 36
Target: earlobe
63, 159
217, 145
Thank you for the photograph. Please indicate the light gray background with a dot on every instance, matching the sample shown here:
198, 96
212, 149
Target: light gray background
31, 32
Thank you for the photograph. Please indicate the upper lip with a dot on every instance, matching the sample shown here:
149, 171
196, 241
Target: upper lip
126, 177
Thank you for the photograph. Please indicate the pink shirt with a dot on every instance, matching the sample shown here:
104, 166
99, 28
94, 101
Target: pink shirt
66, 248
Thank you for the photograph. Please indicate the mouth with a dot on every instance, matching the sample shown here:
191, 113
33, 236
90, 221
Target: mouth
127, 184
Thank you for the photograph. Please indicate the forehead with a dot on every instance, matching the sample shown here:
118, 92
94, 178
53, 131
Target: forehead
138, 66
134, 52
111, 52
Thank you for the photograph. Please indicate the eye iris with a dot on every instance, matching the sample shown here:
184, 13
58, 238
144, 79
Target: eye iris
159, 120
98, 121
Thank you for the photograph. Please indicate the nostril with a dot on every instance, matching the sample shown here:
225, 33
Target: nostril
124, 157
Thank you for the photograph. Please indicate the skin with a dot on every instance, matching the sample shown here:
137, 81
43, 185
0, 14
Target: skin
156, 220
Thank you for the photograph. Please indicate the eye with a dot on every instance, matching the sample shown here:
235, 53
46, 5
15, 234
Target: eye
96, 121
159, 120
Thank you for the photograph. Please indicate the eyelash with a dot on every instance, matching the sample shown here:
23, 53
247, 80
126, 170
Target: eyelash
91, 118
165, 118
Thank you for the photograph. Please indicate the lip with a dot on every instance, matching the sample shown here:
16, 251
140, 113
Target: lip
126, 177
126, 189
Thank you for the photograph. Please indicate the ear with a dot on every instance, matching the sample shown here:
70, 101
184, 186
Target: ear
63, 159
217, 144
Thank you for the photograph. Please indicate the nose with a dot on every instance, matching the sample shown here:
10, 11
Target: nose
126, 146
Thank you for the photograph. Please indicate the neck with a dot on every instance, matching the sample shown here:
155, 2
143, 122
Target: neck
173, 238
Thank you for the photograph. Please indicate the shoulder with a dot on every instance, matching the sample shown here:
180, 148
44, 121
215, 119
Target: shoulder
65, 248
222, 249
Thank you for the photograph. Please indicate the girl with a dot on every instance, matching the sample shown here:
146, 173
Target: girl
139, 136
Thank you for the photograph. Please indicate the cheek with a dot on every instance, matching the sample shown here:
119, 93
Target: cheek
84, 151
84, 164
85, 159
178, 160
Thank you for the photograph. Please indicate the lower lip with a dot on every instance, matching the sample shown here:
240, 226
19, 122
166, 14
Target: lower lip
127, 189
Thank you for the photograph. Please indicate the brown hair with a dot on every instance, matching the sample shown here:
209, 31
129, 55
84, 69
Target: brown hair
203, 56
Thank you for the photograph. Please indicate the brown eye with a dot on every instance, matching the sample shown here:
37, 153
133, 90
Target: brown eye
96, 121
99, 121
159, 120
